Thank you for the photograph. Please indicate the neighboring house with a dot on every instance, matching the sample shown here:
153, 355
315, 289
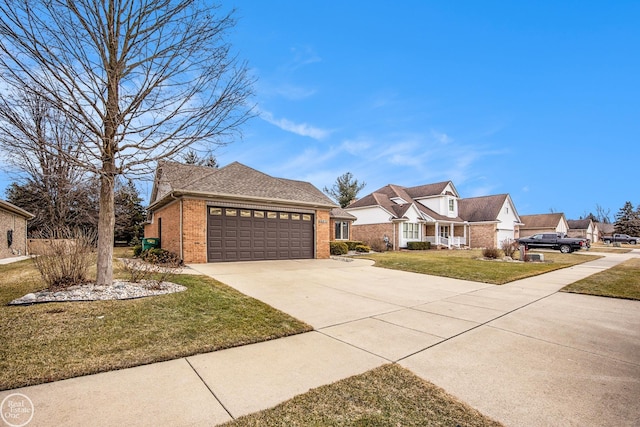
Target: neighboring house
434, 213
491, 219
236, 213
543, 223
340, 224
13, 230
605, 229
583, 228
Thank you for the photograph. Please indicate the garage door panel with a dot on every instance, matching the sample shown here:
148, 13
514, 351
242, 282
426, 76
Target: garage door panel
235, 234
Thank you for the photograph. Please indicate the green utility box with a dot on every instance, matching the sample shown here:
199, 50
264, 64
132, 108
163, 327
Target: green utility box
150, 243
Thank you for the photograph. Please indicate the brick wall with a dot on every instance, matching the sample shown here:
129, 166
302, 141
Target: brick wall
17, 223
370, 233
169, 216
194, 230
323, 234
483, 235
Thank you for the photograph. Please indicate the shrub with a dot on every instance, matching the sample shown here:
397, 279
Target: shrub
137, 250
378, 245
491, 253
363, 249
160, 256
65, 257
338, 248
351, 244
418, 246
509, 247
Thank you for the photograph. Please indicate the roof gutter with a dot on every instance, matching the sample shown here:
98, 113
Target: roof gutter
173, 195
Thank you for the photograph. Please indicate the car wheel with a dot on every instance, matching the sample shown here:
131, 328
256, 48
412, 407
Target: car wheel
632, 242
608, 242
565, 249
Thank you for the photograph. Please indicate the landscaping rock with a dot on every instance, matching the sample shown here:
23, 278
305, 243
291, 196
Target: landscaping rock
92, 292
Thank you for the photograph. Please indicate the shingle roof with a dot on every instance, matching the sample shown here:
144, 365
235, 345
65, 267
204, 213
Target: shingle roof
479, 209
427, 190
579, 224
339, 213
382, 197
234, 180
541, 220
15, 209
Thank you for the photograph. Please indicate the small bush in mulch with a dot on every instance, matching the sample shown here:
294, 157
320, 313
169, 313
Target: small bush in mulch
491, 253
160, 256
338, 248
509, 247
362, 249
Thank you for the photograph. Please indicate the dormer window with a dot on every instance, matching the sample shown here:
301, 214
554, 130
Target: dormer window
451, 206
399, 201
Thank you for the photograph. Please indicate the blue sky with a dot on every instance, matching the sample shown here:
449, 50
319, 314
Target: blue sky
537, 99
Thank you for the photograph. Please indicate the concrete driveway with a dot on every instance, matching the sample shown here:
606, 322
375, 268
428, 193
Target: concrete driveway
521, 353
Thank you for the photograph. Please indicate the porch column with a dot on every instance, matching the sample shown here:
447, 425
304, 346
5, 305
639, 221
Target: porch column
437, 233
451, 237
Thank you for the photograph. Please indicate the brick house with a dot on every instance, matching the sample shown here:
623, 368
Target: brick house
236, 213
543, 223
13, 230
434, 213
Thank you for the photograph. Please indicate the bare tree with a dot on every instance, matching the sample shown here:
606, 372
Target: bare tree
140, 81
603, 215
41, 140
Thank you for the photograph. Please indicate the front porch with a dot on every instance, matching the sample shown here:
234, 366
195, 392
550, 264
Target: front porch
446, 235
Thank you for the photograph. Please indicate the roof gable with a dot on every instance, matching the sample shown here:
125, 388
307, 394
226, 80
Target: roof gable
234, 180
579, 224
550, 220
480, 209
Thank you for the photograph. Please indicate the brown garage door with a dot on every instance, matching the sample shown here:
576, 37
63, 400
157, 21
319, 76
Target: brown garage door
235, 234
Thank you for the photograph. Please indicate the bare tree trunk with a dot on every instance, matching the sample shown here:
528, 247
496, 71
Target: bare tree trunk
106, 224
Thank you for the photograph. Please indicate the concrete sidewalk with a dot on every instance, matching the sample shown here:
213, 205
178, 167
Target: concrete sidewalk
520, 353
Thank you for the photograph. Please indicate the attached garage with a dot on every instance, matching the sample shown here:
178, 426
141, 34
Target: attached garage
237, 213
236, 234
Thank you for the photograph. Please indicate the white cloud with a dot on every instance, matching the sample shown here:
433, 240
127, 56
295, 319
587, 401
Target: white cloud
302, 129
441, 137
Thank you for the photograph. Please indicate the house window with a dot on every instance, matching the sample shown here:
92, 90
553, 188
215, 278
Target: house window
506, 209
342, 230
451, 205
410, 230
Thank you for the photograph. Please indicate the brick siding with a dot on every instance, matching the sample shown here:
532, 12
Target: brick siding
371, 233
17, 223
483, 235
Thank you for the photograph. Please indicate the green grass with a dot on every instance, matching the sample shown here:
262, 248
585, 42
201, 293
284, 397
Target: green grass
53, 341
468, 265
621, 281
386, 396
601, 247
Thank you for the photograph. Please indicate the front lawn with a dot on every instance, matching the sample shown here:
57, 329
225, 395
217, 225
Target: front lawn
386, 396
53, 341
468, 265
621, 281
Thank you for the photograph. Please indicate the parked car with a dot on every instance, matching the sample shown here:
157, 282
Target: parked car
554, 241
622, 238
